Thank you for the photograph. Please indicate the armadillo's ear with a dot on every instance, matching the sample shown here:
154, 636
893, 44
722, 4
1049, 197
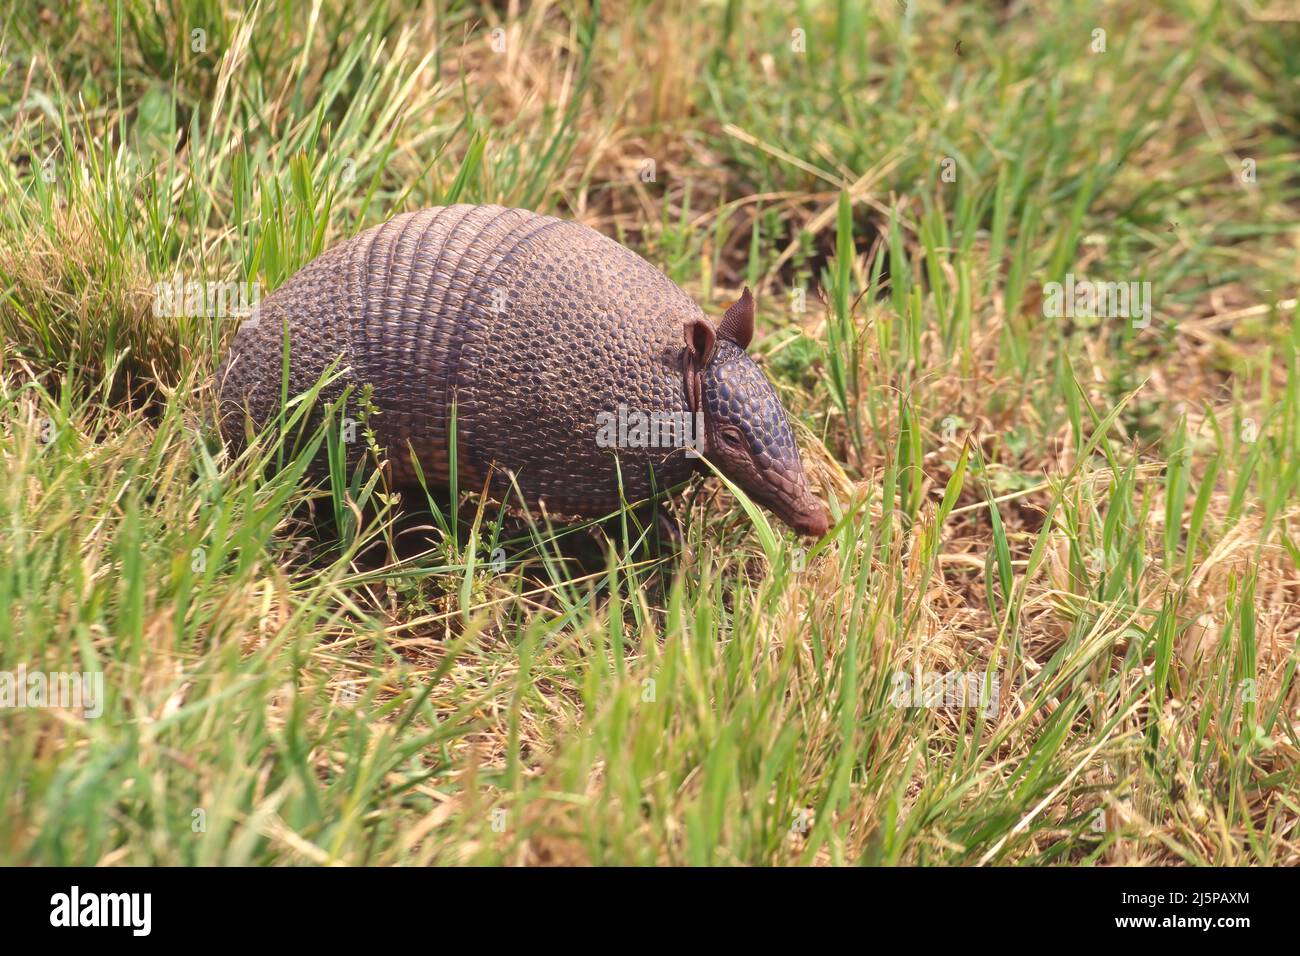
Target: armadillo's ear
701, 340
738, 323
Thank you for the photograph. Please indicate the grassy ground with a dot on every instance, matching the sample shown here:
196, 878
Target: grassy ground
1098, 520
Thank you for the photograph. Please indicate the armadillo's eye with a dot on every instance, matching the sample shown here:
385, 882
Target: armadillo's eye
732, 436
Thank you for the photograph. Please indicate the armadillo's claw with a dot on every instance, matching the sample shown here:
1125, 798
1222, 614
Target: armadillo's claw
668, 528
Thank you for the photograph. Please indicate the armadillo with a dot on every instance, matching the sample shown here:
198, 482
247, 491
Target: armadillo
541, 332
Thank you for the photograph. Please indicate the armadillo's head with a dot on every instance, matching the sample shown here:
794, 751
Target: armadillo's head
746, 432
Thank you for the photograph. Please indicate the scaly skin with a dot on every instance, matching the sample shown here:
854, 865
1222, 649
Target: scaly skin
532, 324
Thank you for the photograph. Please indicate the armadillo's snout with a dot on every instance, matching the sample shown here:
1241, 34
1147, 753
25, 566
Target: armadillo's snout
751, 442
812, 520
798, 507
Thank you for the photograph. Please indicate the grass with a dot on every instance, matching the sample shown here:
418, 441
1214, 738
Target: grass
1094, 521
